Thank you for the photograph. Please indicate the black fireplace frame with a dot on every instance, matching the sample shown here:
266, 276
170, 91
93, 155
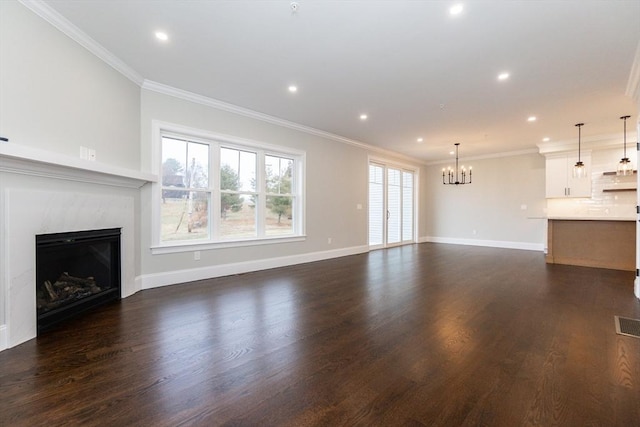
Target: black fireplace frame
48, 242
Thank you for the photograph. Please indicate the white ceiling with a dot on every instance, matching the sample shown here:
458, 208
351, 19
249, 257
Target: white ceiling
413, 68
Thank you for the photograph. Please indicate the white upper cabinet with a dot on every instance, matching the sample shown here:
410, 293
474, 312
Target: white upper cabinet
559, 176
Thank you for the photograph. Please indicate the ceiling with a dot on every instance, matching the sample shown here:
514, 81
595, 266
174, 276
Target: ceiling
416, 70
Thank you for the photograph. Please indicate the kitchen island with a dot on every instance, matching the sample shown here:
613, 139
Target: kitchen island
608, 242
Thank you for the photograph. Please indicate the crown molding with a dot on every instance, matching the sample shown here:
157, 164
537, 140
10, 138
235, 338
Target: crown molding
598, 142
633, 85
47, 13
488, 156
231, 108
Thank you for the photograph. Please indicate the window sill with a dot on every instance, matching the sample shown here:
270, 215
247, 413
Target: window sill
192, 246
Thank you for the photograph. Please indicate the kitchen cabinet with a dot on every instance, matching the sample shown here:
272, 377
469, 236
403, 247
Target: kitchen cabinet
560, 182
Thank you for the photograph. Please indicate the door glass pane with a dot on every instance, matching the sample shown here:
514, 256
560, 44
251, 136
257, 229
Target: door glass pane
394, 220
376, 205
407, 206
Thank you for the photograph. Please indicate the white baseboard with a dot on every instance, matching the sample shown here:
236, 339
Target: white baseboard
150, 281
486, 243
3, 337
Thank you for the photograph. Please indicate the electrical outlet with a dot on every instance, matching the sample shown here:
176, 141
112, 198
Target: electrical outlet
87, 153
196, 255
329, 240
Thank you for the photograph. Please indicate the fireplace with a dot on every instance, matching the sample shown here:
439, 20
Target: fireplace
75, 272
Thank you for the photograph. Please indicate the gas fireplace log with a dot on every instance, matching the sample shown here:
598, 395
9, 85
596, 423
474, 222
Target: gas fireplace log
50, 291
65, 277
67, 284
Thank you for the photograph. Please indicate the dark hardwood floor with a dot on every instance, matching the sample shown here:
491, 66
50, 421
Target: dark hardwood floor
428, 334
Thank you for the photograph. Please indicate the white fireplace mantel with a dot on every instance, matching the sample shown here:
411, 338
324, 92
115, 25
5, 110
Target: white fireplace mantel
25, 160
63, 194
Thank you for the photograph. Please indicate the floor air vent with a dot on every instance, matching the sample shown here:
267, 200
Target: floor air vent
629, 327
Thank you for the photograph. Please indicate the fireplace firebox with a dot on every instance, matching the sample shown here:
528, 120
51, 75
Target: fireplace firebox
75, 272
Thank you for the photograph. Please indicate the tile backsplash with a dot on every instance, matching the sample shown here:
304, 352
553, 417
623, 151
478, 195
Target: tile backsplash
602, 204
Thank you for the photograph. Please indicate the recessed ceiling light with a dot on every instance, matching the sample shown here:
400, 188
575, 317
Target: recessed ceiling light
452, 152
420, 140
503, 76
456, 9
363, 117
162, 36
546, 139
293, 88
532, 119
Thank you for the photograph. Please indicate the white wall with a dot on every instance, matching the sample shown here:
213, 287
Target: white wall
56, 96
490, 210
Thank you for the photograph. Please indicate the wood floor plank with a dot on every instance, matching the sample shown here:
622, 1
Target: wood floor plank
426, 334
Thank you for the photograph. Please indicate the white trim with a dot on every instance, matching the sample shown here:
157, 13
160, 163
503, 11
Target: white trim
590, 143
150, 281
190, 246
224, 106
485, 243
390, 162
4, 270
488, 156
47, 13
26, 160
3, 337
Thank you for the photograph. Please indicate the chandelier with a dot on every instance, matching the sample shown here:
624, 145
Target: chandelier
625, 167
452, 177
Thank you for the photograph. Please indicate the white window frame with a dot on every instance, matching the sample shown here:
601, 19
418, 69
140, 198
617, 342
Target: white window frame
217, 141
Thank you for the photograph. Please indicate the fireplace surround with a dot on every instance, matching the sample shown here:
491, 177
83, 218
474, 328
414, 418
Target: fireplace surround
42, 193
75, 272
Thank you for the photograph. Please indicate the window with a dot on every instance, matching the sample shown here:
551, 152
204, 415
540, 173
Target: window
220, 191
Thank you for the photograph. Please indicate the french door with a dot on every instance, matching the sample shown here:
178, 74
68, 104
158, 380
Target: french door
391, 205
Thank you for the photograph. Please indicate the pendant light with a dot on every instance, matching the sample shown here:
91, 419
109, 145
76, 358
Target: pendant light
625, 167
452, 178
579, 171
